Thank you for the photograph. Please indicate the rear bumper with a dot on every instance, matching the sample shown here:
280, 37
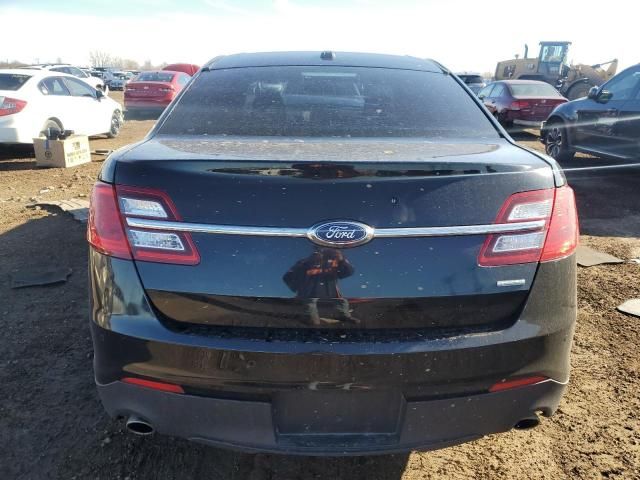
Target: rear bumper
250, 425
345, 396
9, 135
529, 123
16, 133
146, 104
518, 117
144, 108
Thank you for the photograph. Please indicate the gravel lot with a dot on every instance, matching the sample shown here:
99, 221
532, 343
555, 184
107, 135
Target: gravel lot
53, 426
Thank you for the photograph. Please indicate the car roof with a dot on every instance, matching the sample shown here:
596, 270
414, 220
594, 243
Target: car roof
342, 59
158, 71
631, 67
45, 66
521, 82
34, 72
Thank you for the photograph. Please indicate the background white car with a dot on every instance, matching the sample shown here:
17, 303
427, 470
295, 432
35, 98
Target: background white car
33, 100
95, 82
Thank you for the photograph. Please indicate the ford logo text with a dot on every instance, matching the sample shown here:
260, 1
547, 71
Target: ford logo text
340, 234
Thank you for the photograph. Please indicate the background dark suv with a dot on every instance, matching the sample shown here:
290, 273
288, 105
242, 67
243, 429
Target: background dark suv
606, 123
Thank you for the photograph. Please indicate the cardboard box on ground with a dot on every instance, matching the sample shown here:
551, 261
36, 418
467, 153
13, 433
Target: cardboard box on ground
71, 151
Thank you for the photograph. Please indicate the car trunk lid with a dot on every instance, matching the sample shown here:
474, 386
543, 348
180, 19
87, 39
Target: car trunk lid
536, 108
147, 89
430, 283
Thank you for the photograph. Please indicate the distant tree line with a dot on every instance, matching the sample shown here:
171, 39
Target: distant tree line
11, 63
97, 58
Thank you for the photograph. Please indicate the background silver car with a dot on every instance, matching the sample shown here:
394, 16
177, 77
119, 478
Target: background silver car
473, 80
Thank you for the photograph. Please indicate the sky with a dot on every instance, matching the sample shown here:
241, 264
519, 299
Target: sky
463, 35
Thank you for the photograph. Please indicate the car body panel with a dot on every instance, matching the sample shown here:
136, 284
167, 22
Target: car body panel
628, 125
402, 340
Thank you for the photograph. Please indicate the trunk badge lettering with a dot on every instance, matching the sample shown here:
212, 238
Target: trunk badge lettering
340, 234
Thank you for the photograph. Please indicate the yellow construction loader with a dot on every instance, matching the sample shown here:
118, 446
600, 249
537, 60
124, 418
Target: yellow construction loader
573, 81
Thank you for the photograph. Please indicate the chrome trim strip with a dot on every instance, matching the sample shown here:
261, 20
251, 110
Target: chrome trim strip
216, 229
461, 230
304, 232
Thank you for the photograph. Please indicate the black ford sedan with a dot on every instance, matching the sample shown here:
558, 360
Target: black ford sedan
606, 123
330, 254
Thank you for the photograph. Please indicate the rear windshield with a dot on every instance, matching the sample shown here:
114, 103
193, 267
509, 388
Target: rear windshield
533, 90
11, 81
471, 79
326, 102
155, 77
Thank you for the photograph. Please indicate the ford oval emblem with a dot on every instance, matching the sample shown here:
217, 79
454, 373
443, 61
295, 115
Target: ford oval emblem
340, 234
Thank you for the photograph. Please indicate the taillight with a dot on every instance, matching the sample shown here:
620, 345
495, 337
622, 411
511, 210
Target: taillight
167, 89
105, 231
109, 233
9, 106
563, 235
555, 239
519, 105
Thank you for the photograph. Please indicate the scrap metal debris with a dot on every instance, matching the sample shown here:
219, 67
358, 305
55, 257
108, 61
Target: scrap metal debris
38, 276
631, 307
77, 207
588, 257
102, 151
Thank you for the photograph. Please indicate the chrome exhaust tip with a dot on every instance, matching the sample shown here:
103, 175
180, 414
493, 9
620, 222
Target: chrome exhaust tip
139, 426
527, 423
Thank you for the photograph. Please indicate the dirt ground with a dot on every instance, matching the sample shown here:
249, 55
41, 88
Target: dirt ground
53, 426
